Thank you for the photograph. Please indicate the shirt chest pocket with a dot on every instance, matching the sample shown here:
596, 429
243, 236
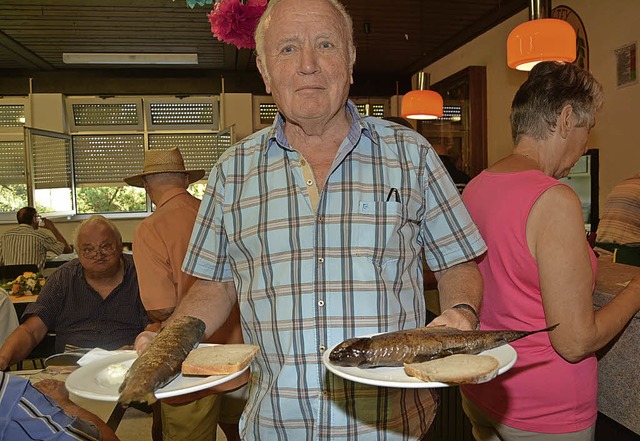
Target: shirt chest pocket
382, 231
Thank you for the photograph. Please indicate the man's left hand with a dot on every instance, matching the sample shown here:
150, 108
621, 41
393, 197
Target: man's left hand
53, 388
456, 318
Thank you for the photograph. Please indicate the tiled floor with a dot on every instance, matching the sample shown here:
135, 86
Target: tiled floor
136, 426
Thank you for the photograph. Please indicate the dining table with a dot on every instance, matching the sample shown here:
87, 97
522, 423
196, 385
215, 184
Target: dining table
20, 303
618, 379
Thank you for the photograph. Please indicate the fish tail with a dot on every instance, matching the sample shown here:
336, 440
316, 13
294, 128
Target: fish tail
547, 329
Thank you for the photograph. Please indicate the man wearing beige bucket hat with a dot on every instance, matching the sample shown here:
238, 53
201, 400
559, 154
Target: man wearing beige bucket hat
160, 244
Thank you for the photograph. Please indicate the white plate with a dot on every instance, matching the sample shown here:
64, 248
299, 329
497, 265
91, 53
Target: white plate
395, 376
85, 381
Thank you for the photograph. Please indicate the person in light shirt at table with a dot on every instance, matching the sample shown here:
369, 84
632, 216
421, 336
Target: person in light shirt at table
316, 228
540, 270
619, 225
8, 316
27, 244
92, 301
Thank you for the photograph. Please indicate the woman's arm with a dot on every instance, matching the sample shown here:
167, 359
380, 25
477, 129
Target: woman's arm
556, 239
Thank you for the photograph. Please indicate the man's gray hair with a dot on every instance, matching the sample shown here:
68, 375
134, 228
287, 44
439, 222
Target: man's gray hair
94, 219
266, 18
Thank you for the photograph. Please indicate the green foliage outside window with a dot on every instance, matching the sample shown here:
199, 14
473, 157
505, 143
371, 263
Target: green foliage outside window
13, 197
110, 199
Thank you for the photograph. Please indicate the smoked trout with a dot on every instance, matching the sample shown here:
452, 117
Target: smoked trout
161, 361
417, 345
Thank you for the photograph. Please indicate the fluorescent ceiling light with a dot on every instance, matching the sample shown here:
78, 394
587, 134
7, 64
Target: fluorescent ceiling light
125, 58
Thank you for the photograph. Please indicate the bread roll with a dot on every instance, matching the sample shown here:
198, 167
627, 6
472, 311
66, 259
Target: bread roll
455, 369
219, 359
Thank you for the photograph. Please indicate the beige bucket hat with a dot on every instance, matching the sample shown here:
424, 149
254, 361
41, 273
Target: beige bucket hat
163, 161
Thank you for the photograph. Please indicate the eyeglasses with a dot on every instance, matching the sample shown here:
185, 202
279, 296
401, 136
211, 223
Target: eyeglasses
104, 250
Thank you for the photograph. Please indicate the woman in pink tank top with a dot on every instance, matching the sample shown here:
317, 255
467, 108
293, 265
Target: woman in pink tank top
539, 269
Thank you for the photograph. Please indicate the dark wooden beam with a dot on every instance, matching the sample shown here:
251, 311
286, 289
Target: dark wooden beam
30, 58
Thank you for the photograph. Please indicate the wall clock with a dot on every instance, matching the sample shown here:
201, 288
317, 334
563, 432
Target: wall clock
582, 45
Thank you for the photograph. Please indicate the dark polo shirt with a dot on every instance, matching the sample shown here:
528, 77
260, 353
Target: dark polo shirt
80, 317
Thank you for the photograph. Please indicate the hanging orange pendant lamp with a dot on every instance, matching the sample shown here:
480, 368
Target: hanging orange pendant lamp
540, 39
421, 103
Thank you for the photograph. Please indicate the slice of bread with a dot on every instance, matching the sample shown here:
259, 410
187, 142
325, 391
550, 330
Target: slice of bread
219, 359
455, 369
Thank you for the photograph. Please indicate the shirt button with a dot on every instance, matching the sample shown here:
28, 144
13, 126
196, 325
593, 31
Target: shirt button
320, 218
309, 182
320, 259
303, 162
321, 303
325, 394
322, 348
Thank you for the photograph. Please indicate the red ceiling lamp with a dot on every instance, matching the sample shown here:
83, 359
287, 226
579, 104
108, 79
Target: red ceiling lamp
422, 103
540, 39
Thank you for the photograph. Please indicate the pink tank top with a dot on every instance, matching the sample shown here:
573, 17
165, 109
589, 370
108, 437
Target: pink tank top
542, 392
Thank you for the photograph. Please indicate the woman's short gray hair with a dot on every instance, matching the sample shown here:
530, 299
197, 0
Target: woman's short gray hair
551, 86
266, 17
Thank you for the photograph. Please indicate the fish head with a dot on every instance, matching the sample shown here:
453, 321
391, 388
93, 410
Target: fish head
351, 352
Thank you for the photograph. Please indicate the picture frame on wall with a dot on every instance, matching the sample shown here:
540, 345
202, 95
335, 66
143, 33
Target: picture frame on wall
626, 65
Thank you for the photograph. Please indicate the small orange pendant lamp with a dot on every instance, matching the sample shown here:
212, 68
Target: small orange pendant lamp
421, 103
540, 39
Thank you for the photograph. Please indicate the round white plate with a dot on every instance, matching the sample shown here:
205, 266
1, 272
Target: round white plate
395, 376
88, 380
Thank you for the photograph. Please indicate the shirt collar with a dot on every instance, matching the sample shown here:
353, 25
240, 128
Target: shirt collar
359, 126
170, 194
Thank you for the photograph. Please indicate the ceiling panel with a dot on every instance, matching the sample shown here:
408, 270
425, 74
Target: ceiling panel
393, 38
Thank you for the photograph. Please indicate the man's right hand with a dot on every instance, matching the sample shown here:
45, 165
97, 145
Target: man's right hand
143, 340
49, 225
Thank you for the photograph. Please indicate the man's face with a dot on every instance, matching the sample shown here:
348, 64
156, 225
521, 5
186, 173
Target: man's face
306, 57
98, 248
35, 223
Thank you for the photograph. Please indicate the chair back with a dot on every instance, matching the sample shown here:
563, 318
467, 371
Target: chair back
10, 272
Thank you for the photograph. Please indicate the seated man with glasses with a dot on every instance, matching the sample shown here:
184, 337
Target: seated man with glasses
92, 301
27, 244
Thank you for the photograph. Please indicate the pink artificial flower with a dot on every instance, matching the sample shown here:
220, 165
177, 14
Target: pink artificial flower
235, 22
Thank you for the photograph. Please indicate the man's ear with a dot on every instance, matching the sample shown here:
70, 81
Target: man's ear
565, 121
263, 74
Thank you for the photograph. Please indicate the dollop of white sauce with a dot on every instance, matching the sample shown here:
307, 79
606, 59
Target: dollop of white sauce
112, 374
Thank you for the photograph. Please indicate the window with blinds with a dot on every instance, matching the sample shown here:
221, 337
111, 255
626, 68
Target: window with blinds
12, 164
371, 109
103, 158
101, 163
107, 159
268, 112
451, 113
52, 180
51, 161
105, 114
200, 151
187, 113
84, 172
11, 115
13, 174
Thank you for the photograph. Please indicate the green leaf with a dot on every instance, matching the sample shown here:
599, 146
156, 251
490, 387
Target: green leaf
193, 3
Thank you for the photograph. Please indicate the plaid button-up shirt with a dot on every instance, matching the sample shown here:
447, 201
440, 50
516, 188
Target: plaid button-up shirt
312, 269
